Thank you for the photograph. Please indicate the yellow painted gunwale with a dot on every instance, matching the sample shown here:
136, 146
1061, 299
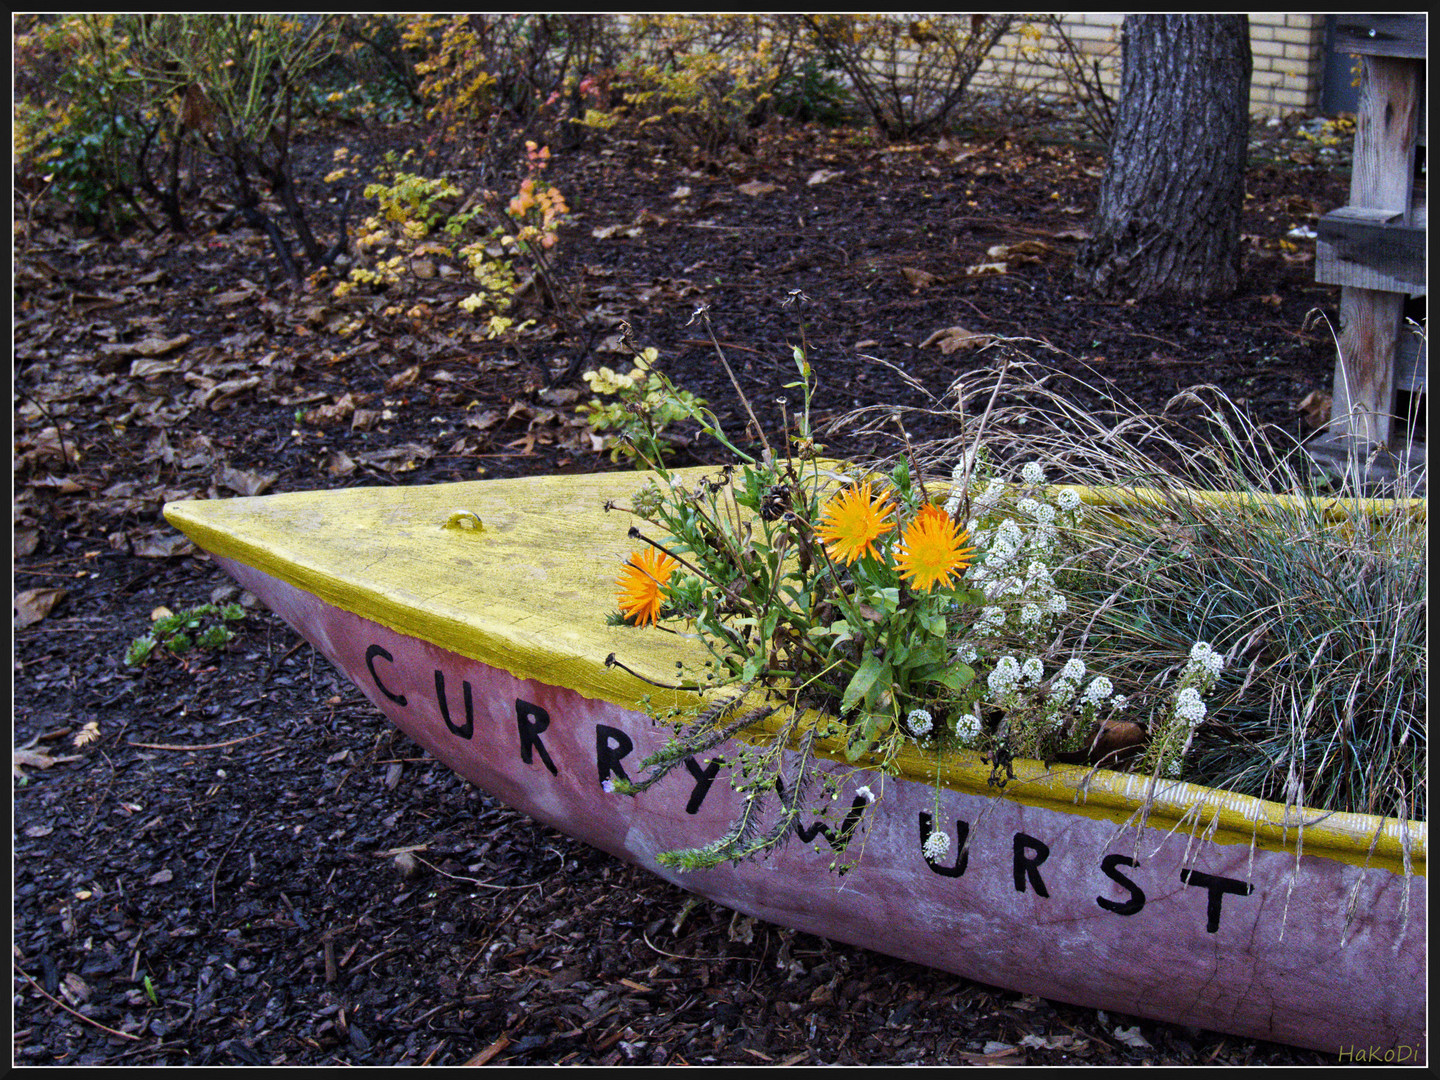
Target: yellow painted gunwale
519, 574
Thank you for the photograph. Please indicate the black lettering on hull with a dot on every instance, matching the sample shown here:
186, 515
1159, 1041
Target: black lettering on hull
370, 655
532, 720
1029, 854
1137, 895
467, 729
1218, 887
962, 847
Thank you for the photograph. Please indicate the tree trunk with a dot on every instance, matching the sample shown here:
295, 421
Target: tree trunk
1168, 224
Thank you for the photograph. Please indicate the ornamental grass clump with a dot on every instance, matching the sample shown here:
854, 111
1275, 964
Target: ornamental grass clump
1256, 629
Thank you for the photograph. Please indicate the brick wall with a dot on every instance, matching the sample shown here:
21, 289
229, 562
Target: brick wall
1288, 52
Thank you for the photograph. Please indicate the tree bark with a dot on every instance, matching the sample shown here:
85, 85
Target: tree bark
1168, 223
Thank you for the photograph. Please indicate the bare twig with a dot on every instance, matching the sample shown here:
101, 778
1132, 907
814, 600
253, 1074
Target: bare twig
95, 1023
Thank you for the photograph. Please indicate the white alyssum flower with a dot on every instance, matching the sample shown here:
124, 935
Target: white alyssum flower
1119, 701
920, 721
1074, 669
1205, 659
1189, 707
988, 498
865, 793
967, 652
1009, 536
1029, 615
967, 728
1028, 506
1068, 500
1004, 677
1033, 474
1099, 689
936, 845
1033, 670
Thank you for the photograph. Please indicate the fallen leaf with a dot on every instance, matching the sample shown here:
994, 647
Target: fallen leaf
144, 368
985, 269
1020, 252
63, 484
150, 346
160, 877
1131, 1037
1315, 407
162, 546
918, 279
75, 988
32, 605
243, 481
336, 411
86, 735
233, 296
756, 188
822, 176
1047, 1042
954, 338
742, 928
607, 232
681, 192
223, 395
398, 458
26, 541
35, 759
85, 303
403, 379
484, 421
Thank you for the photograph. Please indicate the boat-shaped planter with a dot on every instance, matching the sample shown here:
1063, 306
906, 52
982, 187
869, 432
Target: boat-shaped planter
472, 615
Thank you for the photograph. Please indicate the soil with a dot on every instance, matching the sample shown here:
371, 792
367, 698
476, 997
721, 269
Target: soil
229, 857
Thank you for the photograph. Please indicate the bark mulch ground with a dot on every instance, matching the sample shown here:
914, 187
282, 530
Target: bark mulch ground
228, 857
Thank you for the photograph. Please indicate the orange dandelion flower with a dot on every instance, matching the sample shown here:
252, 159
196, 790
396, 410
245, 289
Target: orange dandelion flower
851, 523
638, 590
933, 549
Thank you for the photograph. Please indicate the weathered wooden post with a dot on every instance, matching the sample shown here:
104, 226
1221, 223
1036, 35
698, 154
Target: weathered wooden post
1375, 247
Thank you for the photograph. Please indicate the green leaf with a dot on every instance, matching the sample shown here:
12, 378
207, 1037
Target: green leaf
871, 678
751, 671
957, 677
139, 651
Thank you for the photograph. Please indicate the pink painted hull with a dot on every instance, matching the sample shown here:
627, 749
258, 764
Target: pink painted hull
1070, 906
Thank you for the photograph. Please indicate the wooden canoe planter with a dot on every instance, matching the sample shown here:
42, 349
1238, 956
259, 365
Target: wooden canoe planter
472, 615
